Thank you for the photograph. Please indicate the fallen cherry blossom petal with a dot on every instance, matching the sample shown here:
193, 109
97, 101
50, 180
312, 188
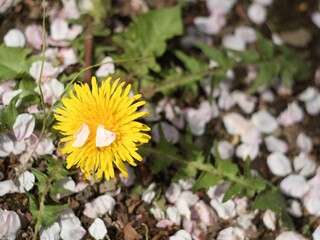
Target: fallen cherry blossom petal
5, 5
59, 29
294, 186
50, 233
26, 180
34, 35
107, 68
67, 184
274, 144
313, 106
245, 221
7, 186
316, 233
225, 210
98, 229
8, 96
311, 200
315, 17
210, 25
304, 165
49, 71
308, 94
19, 147
304, 143
183, 209
68, 56
181, 235
45, 147
257, 13
226, 149
173, 192
205, 213
70, 9
233, 42
171, 134
164, 223
252, 137
186, 184
189, 197
235, 124
245, 150
295, 208
81, 186
71, 228
293, 114
9, 224
99, 206
220, 6
289, 235
245, 102
225, 102
157, 213
231, 233
248, 34
149, 194
14, 38
24, 126
269, 219
130, 180
173, 215
279, 164
6, 145
264, 121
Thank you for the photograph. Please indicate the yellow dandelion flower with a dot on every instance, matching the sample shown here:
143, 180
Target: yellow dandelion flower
99, 128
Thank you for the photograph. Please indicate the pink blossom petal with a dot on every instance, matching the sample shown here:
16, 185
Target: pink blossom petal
304, 165
171, 134
226, 149
315, 17
294, 186
100, 206
231, 233
189, 197
26, 181
245, 102
274, 144
257, 13
107, 68
48, 73
220, 6
45, 147
68, 56
210, 25
71, 228
74, 31
248, 34
34, 35
245, 150
234, 42
205, 213
98, 229
164, 223
264, 121
14, 38
130, 180
70, 9
59, 29
279, 164
24, 126
173, 192
245, 221
295, 208
9, 224
6, 187
157, 213
304, 143
50, 233
149, 194
19, 147
235, 124
289, 235
6, 145
252, 137
183, 209
225, 210
173, 215
293, 114
181, 235
8, 96
186, 184
311, 200
52, 90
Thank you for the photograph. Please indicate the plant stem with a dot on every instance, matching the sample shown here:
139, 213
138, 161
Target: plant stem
43, 197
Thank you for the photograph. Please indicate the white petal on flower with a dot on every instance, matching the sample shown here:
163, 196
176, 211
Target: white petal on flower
104, 137
98, 229
313, 106
14, 38
279, 164
26, 180
71, 228
294, 186
248, 34
245, 102
7, 186
59, 29
308, 94
295, 208
171, 134
107, 68
173, 215
235, 124
164, 223
24, 126
225, 210
9, 224
257, 13
149, 194
245, 150
231, 233
315, 17
226, 149
316, 233
6, 145
173, 192
34, 35
8, 96
264, 121
293, 114
100, 206
210, 25
274, 144
269, 219
81, 135
289, 235
50, 233
304, 143
304, 165
181, 235
263, 2
157, 213
234, 42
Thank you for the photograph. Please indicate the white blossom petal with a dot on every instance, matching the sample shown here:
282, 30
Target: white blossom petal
313, 106
149, 194
315, 17
264, 121
269, 219
235, 124
308, 94
6, 145
274, 144
289, 235
107, 68
173, 215
50, 233
234, 42
225, 210
304, 165
14, 38
98, 229
210, 25
59, 29
316, 233
293, 114
294, 186
171, 134
7, 186
49, 71
9, 95
34, 35
226, 149
26, 180
9, 224
245, 150
181, 235
245, 102
304, 143
231, 233
173, 192
100, 206
24, 126
295, 208
257, 13
71, 228
248, 34
279, 164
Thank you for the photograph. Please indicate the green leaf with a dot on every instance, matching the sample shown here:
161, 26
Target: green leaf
248, 56
54, 190
147, 36
42, 179
234, 189
193, 65
206, 180
270, 199
33, 206
61, 172
13, 63
266, 47
51, 213
9, 115
27, 84
225, 166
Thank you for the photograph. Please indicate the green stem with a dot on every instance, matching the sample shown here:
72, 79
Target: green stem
200, 166
43, 197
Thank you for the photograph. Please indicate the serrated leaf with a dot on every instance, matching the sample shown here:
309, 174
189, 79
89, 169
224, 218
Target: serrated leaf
192, 65
266, 47
33, 206
234, 189
147, 36
41, 178
51, 213
60, 173
54, 190
270, 199
9, 115
13, 62
206, 180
